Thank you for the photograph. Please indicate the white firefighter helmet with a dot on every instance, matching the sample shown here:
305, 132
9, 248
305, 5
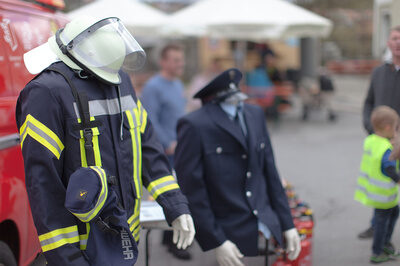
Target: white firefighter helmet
99, 47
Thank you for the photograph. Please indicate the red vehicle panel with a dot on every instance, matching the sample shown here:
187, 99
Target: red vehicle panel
23, 26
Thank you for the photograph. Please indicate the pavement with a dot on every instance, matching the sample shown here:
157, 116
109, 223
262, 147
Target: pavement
321, 160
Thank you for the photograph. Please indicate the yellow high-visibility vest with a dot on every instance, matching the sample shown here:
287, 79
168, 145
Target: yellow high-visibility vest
375, 189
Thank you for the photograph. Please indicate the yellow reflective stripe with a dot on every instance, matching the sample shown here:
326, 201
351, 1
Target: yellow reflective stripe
140, 164
83, 239
83, 153
160, 181
144, 121
136, 151
136, 231
139, 151
134, 220
96, 146
162, 185
96, 149
143, 116
164, 189
59, 237
41, 134
88, 216
137, 237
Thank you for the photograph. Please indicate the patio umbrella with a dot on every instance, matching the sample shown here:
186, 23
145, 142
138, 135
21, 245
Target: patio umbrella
141, 19
247, 20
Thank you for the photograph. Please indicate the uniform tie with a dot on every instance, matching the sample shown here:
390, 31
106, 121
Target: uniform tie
240, 119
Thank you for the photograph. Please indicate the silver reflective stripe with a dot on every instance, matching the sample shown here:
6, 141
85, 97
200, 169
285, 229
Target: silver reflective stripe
381, 184
364, 175
136, 235
83, 242
138, 155
101, 198
108, 107
40, 132
133, 221
141, 111
58, 238
160, 186
376, 197
378, 183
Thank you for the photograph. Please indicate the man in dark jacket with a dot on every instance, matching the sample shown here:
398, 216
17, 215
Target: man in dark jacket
384, 89
225, 167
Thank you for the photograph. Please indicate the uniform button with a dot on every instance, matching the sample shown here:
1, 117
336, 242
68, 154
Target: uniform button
248, 174
262, 145
255, 212
248, 194
244, 156
218, 150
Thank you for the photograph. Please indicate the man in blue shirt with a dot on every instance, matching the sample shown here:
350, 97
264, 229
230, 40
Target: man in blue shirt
163, 97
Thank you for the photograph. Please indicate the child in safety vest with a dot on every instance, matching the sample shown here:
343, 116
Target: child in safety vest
377, 183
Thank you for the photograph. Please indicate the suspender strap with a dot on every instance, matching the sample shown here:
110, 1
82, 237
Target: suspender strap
86, 125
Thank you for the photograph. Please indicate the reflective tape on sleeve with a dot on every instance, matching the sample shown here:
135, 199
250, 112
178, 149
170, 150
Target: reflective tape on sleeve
42, 134
161, 185
59, 237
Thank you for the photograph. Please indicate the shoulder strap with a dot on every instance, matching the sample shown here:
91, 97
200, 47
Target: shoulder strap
86, 125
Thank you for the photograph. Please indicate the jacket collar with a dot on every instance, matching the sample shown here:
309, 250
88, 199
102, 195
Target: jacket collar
221, 119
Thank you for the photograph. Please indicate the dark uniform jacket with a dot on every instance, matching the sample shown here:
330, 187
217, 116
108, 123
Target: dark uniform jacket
384, 89
230, 183
53, 148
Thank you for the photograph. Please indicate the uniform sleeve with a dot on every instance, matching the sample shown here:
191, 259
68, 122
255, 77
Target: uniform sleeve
151, 101
40, 123
368, 107
277, 195
389, 167
189, 170
157, 177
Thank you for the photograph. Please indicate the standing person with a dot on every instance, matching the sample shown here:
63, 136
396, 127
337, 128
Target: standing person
163, 97
88, 148
377, 183
199, 81
384, 89
225, 166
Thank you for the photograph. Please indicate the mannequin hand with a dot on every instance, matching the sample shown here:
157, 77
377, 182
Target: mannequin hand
183, 231
293, 243
228, 254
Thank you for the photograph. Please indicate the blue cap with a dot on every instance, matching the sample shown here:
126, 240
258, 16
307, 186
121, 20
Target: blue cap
86, 193
227, 81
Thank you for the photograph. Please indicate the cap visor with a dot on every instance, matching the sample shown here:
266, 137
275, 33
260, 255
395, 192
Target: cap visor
39, 58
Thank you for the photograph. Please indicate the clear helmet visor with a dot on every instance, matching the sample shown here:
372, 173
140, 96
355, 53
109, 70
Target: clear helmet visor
106, 46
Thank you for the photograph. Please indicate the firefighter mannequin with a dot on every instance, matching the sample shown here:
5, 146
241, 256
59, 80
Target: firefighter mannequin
225, 167
80, 118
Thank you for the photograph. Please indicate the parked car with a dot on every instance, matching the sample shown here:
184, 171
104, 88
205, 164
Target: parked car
23, 26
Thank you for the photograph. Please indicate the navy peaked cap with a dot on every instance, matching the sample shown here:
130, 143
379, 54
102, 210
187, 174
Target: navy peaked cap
221, 83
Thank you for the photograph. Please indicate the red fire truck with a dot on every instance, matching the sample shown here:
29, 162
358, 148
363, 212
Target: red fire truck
23, 26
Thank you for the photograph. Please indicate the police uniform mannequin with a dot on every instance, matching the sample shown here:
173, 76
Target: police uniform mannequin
88, 148
225, 167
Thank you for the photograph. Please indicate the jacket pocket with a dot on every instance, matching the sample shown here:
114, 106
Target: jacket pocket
219, 158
